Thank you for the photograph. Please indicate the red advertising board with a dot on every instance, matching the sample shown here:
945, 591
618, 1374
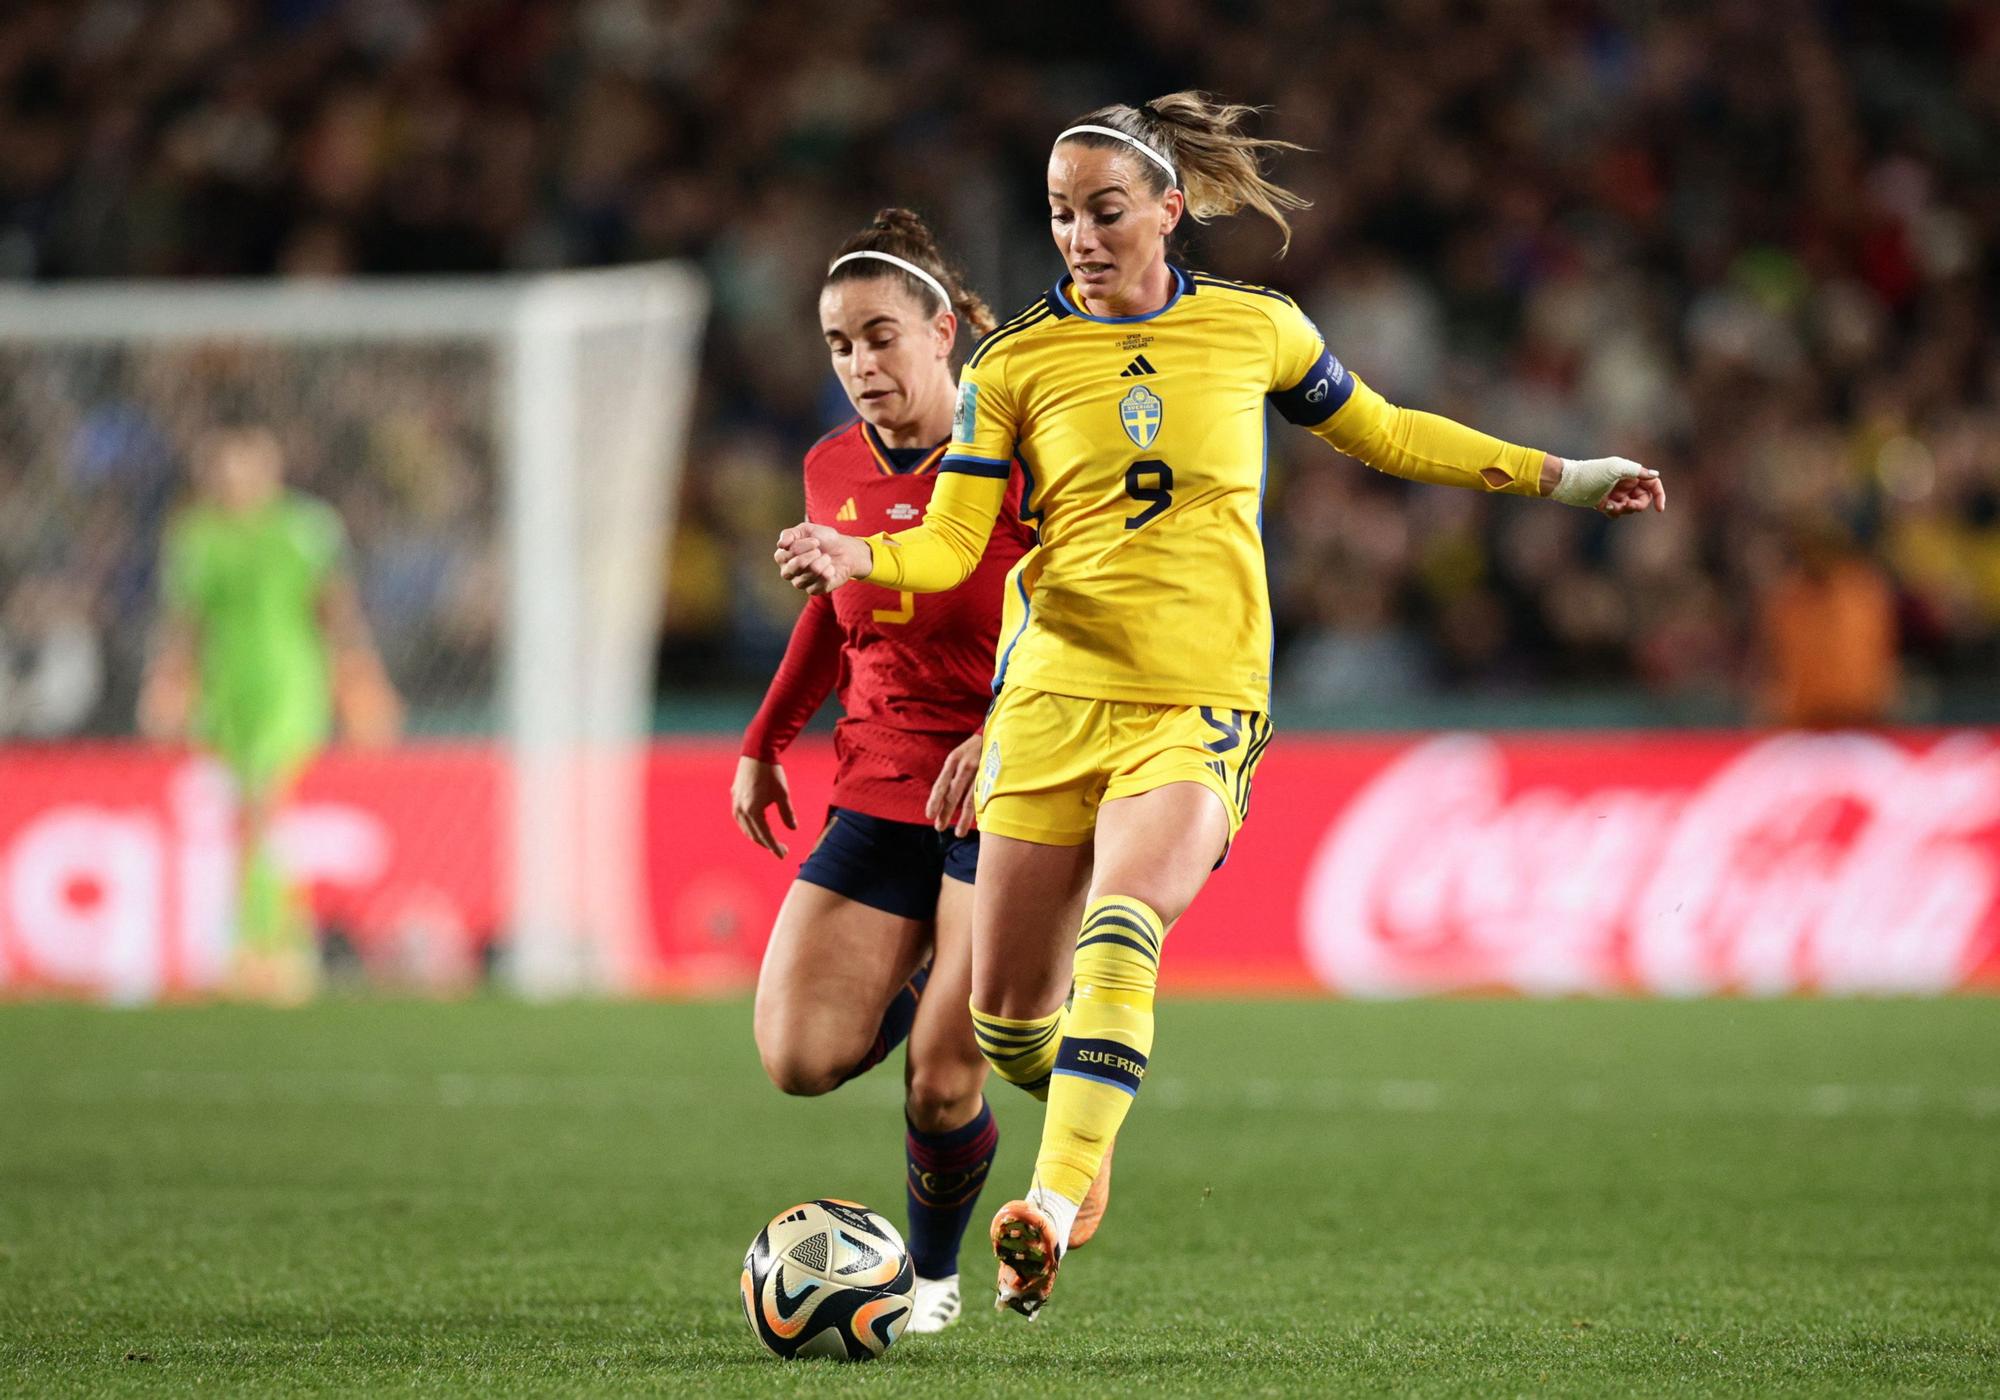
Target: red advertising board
1665, 865
1658, 864
1621, 863
118, 864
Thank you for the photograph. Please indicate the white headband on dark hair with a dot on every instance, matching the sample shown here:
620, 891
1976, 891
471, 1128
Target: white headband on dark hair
1132, 141
909, 267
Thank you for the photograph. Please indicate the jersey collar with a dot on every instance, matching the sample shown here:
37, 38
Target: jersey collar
885, 456
1059, 300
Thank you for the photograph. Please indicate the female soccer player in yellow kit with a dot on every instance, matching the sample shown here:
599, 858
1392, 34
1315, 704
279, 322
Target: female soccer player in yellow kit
1134, 672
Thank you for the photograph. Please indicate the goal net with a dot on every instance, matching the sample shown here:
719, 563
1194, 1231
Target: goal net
504, 457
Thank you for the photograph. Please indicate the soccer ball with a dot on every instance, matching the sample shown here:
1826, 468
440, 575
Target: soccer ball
828, 1278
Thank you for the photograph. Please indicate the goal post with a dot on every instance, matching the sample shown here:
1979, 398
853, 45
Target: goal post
509, 451
593, 499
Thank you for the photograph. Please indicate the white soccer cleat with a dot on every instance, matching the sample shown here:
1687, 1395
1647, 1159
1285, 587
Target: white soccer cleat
935, 1306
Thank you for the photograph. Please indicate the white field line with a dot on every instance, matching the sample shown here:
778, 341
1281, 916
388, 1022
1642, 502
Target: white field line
672, 1092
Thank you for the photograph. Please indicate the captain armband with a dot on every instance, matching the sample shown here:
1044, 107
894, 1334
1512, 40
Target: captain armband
1323, 391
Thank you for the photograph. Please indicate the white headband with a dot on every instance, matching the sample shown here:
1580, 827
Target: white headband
1134, 142
909, 267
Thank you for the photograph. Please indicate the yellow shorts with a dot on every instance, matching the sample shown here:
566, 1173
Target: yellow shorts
1052, 760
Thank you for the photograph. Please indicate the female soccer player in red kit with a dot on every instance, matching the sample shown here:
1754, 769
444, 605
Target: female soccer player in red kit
889, 882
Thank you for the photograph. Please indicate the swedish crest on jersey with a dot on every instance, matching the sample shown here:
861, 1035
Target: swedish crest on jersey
1139, 414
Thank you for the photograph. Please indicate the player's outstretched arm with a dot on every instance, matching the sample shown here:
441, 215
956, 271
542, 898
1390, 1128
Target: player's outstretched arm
817, 559
1428, 447
937, 555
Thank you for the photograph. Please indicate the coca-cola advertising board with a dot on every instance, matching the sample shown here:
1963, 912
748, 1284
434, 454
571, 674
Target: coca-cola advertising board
1676, 867
1659, 864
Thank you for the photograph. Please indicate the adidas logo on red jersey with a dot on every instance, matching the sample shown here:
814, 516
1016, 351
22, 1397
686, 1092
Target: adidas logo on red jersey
848, 511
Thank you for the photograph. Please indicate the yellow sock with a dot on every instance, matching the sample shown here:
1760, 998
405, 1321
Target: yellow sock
1021, 1052
1105, 1042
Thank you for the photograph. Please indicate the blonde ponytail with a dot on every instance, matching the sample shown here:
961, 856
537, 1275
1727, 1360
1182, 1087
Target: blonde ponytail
1219, 164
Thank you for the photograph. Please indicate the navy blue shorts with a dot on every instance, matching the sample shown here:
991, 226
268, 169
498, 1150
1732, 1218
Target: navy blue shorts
891, 866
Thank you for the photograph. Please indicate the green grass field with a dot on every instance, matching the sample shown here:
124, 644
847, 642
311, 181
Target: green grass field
1313, 1198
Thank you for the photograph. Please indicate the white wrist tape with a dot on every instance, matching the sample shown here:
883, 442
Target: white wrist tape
1588, 482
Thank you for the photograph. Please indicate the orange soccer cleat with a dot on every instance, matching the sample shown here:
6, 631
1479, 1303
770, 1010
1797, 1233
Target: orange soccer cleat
1024, 1242
1090, 1214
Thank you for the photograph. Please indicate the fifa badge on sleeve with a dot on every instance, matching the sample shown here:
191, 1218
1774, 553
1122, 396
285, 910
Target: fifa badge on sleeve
966, 422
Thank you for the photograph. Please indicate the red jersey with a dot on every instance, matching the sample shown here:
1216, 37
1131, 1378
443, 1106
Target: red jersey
914, 672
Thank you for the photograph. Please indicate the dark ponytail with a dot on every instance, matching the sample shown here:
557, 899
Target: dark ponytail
902, 233
1220, 166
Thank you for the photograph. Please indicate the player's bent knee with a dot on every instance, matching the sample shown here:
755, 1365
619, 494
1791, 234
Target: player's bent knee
800, 1075
1016, 993
798, 1062
959, 1073
1166, 895
942, 1098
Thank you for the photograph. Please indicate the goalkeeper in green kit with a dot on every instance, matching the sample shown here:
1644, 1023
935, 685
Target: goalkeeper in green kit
261, 640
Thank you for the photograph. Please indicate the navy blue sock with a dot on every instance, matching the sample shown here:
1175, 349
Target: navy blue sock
896, 1023
946, 1172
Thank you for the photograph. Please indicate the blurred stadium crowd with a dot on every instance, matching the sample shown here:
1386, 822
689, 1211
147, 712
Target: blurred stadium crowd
1755, 243
96, 449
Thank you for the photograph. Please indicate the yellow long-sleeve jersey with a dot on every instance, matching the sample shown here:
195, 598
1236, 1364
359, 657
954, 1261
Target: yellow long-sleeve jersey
1142, 441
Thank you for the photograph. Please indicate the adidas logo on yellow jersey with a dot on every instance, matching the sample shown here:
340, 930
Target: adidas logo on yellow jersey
847, 512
